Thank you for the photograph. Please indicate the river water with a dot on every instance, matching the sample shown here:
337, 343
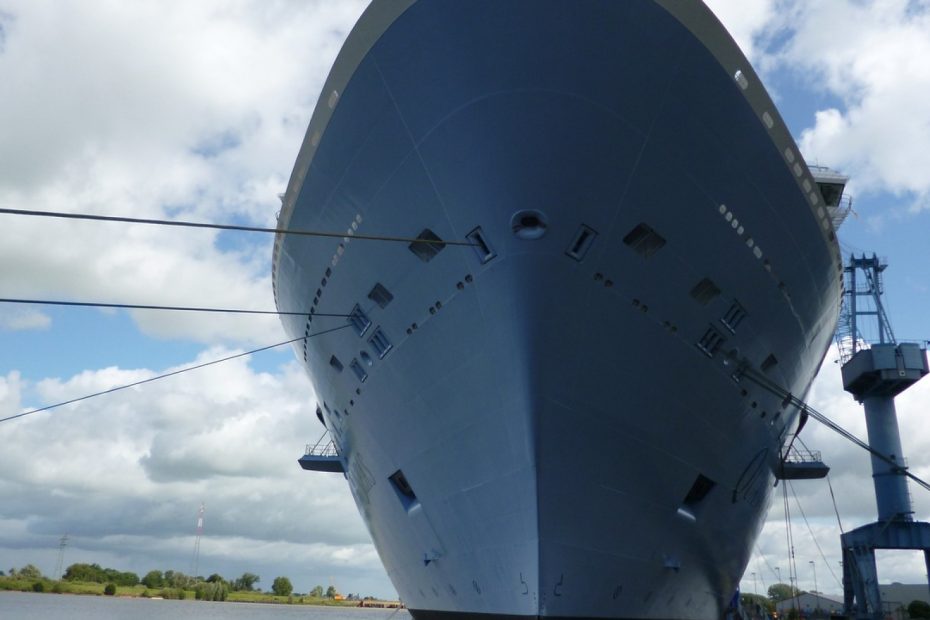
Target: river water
31, 606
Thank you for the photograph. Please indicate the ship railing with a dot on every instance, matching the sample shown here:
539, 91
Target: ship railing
322, 456
840, 212
322, 447
798, 455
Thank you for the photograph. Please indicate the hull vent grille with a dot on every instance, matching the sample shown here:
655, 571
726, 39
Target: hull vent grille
359, 320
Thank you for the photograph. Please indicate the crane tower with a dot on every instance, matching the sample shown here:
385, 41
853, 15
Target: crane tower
874, 373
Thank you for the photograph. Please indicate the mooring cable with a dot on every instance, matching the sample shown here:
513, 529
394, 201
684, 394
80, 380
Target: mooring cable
786, 396
236, 227
90, 304
170, 374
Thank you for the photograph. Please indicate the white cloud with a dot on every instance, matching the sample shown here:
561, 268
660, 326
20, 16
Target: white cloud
198, 119
124, 474
871, 56
745, 21
15, 319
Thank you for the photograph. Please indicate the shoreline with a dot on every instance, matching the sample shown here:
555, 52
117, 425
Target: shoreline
91, 589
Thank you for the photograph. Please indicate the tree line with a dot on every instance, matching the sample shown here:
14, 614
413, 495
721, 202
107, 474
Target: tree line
171, 583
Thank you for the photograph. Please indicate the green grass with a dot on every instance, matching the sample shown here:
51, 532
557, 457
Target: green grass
96, 589
66, 587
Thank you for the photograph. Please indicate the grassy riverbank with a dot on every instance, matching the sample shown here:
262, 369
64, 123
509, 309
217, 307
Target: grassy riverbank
140, 591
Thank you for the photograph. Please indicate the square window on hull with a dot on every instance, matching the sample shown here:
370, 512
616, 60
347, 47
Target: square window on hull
427, 245
644, 240
380, 295
705, 291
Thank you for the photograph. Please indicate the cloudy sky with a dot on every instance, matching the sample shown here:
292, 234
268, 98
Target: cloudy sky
196, 111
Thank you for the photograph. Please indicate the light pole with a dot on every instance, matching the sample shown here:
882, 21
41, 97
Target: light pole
816, 594
755, 590
778, 573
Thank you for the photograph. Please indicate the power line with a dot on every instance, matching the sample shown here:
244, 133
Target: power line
89, 304
185, 224
170, 374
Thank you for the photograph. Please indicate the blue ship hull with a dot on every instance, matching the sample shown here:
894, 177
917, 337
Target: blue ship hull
546, 423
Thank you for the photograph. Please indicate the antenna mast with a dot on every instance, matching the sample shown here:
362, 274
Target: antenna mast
195, 563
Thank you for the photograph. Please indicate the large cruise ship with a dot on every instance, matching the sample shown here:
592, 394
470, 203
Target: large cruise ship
589, 215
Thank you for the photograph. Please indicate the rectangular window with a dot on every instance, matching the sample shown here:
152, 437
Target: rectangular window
644, 240
711, 341
427, 245
335, 363
481, 246
380, 343
359, 320
582, 242
358, 370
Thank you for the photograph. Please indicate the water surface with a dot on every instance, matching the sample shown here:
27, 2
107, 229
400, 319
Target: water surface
32, 606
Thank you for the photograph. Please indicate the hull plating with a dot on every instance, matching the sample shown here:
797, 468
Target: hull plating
575, 444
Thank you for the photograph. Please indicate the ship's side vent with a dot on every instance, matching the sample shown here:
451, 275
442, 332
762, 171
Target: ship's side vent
769, 363
360, 372
734, 316
380, 295
711, 341
359, 320
380, 343
403, 489
481, 246
705, 291
335, 363
644, 240
696, 494
427, 245
319, 415
582, 242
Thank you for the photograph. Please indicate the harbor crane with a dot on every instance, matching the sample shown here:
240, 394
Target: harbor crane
875, 373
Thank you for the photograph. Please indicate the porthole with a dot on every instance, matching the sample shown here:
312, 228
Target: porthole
529, 224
